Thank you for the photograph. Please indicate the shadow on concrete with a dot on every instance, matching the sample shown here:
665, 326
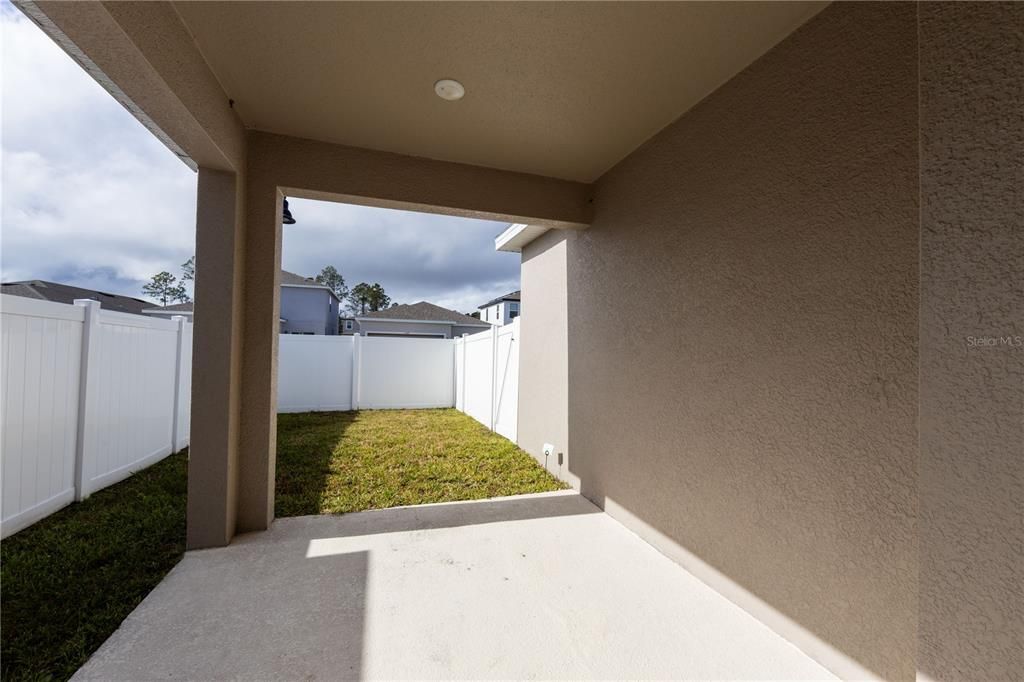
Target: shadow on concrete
445, 515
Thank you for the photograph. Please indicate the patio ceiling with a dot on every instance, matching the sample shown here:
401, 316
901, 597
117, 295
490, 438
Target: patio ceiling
562, 90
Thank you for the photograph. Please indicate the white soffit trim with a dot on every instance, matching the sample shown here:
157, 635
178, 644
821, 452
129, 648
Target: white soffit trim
312, 286
517, 236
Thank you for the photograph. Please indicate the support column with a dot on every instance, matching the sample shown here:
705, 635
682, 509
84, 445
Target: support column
216, 360
258, 436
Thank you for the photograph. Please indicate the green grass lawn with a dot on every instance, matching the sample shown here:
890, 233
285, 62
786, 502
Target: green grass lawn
337, 462
67, 582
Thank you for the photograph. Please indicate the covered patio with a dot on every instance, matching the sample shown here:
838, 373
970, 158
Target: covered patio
772, 324
541, 586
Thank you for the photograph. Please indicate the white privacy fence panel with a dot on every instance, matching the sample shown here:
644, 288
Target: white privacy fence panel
129, 396
314, 373
506, 378
89, 396
487, 378
42, 351
476, 384
321, 373
404, 372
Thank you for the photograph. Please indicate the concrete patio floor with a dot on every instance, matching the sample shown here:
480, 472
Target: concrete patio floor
535, 586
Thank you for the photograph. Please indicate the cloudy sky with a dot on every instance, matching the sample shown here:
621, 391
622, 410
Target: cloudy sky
91, 198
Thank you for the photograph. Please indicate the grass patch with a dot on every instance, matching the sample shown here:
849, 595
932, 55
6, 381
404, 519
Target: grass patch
338, 462
68, 581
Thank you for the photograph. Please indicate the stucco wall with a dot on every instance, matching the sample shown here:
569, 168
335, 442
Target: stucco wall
757, 403
972, 330
544, 353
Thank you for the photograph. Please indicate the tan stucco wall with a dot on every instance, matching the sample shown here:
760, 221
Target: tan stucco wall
972, 392
216, 359
544, 353
332, 172
258, 436
757, 401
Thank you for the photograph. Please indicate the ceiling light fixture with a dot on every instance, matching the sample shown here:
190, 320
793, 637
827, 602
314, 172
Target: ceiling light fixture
449, 89
286, 215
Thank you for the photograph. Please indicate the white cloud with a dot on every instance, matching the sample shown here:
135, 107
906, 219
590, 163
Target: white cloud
415, 256
88, 195
91, 198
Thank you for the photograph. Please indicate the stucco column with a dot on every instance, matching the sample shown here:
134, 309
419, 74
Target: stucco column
258, 436
216, 359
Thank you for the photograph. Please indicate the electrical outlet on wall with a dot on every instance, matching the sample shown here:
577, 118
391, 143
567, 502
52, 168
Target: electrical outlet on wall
549, 449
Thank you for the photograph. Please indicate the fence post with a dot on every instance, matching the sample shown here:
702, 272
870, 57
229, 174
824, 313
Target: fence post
356, 361
86, 399
462, 387
178, 362
455, 372
494, 376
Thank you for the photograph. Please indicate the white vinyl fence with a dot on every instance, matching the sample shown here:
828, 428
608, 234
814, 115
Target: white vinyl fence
487, 378
321, 373
477, 374
89, 396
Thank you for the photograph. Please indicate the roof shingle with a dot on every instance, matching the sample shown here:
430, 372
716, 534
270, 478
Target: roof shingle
65, 293
514, 296
425, 312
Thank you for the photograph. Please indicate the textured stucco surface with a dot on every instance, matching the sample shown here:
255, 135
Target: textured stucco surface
972, 391
216, 359
332, 172
144, 56
258, 434
544, 81
758, 402
544, 352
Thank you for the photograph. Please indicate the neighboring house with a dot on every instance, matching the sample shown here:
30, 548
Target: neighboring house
420, 320
501, 310
169, 311
307, 307
65, 293
347, 325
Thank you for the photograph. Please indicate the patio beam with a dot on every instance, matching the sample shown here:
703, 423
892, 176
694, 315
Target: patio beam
332, 172
145, 57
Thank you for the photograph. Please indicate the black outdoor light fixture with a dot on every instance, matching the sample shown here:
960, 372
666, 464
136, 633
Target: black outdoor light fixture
286, 215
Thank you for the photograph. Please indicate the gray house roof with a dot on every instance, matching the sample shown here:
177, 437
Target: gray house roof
65, 293
514, 296
423, 312
177, 308
290, 279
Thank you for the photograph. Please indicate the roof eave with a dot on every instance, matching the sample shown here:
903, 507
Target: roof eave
398, 319
518, 235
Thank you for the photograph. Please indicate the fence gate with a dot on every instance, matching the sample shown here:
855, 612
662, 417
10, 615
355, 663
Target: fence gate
487, 378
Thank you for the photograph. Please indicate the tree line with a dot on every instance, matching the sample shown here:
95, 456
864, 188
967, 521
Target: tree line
362, 298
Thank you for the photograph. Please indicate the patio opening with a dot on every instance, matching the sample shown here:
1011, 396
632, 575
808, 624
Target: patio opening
397, 376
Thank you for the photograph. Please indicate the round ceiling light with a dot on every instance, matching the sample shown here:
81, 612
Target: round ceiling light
449, 89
